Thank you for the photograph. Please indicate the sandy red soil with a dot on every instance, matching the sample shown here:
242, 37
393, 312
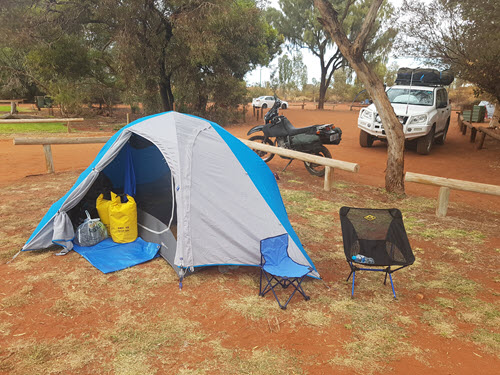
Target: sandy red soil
456, 159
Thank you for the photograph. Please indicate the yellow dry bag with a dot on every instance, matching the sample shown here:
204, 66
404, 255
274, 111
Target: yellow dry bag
123, 219
102, 206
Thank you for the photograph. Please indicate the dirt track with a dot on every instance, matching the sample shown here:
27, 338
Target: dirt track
456, 159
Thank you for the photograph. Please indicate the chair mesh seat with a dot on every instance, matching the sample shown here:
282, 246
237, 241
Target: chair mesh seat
378, 234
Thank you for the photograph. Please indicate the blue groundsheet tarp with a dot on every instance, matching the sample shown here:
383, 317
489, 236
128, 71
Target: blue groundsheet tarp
109, 256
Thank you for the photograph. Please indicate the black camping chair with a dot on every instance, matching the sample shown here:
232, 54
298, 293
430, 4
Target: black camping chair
380, 236
279, 269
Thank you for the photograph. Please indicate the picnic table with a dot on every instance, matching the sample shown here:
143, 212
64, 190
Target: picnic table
13, 104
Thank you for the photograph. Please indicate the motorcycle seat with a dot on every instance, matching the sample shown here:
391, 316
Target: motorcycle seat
292, 130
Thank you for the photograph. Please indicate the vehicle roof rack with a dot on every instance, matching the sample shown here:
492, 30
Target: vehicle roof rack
416, 83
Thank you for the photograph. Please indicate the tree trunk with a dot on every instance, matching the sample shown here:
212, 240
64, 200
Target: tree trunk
322, 95
167, 97
394, 173
495, 119
353, 52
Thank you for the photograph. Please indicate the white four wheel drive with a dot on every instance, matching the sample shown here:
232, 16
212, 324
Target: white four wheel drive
423, 111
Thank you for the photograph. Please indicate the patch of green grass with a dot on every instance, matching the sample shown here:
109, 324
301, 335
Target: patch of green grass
445, 302
376, 335
476, 311
433, 233
439, 321
254, 307
136, 337
266, 361
451, 281
488, 339
311, 317
68, 355
50, 127
369, 353
6, 108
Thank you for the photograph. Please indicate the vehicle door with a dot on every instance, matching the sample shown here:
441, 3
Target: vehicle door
269, 101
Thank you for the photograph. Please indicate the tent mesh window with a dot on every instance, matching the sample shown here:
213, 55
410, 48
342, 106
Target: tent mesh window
376, 233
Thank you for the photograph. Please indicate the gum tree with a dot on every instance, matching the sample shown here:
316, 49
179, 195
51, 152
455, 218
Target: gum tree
354, 50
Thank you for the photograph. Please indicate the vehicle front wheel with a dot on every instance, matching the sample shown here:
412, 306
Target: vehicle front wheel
284, 106
424, 144
440, 140
265, 156
365, 139
316, 169
264, 106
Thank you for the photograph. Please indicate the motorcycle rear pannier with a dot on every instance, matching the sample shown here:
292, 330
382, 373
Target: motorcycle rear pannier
332, 137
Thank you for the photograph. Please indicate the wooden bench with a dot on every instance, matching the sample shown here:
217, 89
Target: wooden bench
446, 184
13, 104
358, 106
464, 125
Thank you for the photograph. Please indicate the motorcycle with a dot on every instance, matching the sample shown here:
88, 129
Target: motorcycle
310, 139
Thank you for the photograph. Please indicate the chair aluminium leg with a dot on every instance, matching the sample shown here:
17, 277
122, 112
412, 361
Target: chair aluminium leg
392, 284
353, 277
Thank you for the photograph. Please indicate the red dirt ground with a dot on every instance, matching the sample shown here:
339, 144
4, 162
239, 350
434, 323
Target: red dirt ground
456, 159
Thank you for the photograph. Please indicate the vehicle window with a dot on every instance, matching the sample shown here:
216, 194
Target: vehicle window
407, 96
441, 98
445, 97
269, 98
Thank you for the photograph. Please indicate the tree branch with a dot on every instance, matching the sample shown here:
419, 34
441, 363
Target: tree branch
362, 38
331, 24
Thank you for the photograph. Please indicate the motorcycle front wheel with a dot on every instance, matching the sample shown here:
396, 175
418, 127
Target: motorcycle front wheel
316, 169
266, 156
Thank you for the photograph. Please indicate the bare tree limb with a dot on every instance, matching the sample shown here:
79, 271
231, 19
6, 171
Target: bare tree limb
362, 38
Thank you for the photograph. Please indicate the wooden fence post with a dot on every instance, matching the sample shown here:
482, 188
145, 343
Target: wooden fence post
253, 111
328, 179
48, 158
128, 118
443, 199
13, 108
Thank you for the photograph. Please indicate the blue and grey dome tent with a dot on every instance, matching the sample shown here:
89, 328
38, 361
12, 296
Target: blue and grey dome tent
201, 193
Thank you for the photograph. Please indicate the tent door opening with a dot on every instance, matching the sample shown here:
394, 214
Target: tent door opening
155, 193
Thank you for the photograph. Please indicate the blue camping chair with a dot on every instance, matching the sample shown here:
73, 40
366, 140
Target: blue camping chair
279, 269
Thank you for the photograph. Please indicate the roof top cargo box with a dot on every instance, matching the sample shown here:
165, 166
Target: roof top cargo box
425, 77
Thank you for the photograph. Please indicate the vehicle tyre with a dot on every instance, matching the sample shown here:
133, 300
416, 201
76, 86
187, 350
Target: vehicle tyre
424, 144
440, 140
284, 106
365, 139
265, 156
315, 169
264, 106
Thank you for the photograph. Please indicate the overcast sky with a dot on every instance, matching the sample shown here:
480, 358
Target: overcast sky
312, 62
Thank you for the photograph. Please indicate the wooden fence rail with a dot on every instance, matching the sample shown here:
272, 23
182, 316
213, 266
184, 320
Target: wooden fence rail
446, 184
329, 164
